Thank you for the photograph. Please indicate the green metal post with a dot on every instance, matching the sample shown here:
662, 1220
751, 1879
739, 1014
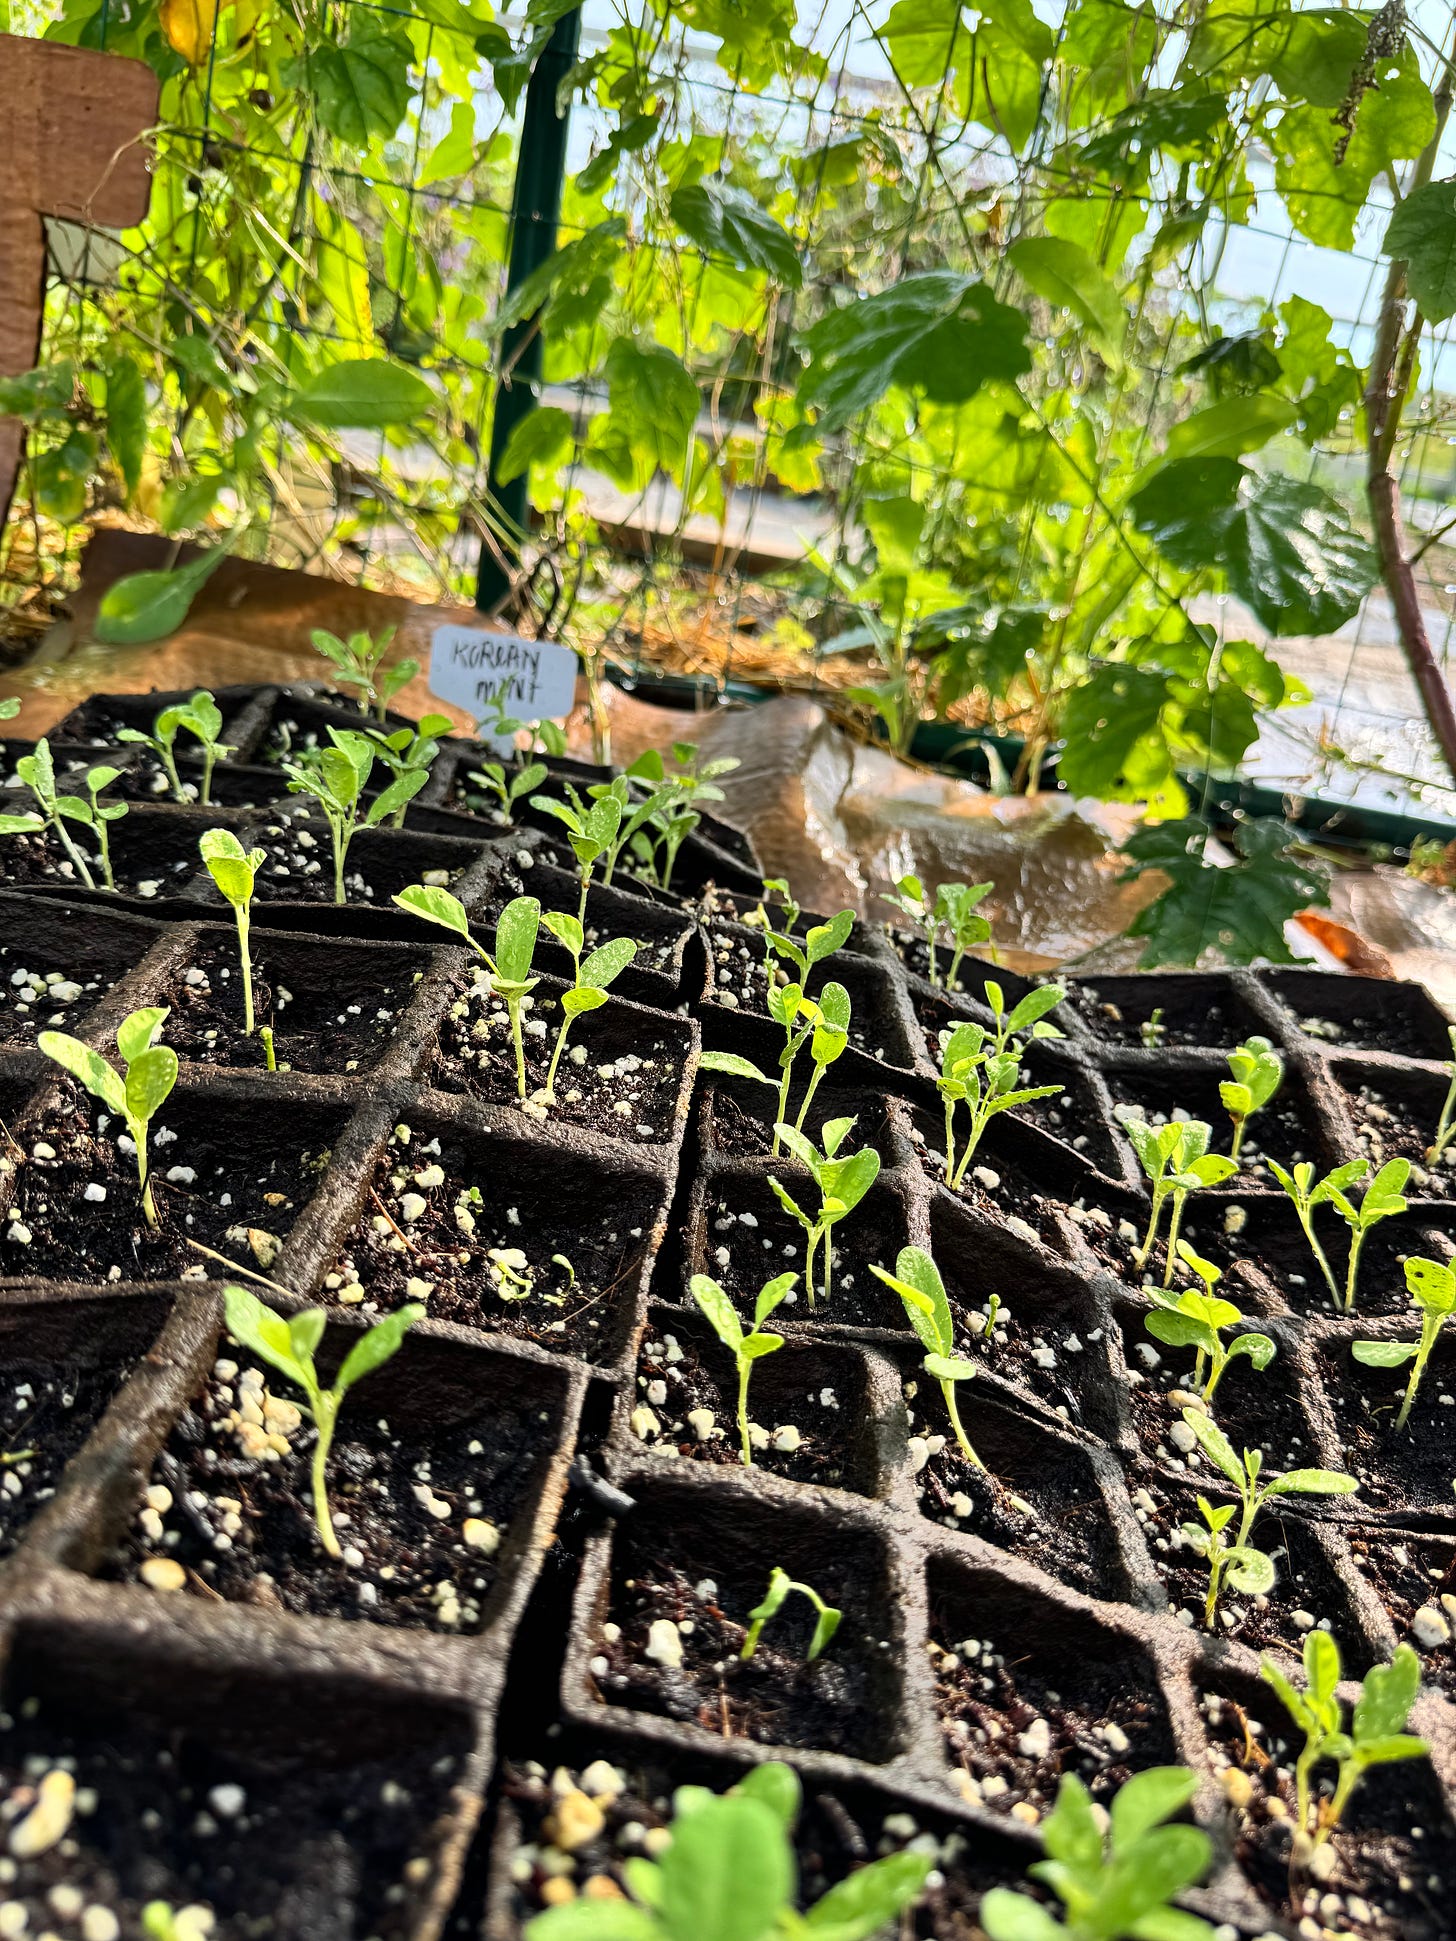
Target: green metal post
535, 212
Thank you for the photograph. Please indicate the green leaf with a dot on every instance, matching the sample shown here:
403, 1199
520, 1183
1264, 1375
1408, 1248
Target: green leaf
1431, 1285
516, 930
1386, 1697
1383, 1354
917, 1281
566, 929
376, 1347
1070, 1830
149, 1081
595, 1920
773, 1784
360, 88
364, 393
947, 1368
937, 331
99, 1078
825, 938
728, 1874
655, 402
435, 906
866, 1901
848, 1180
1007, 1916
1238, 911
306, 1331
144, 606
126, 418
1231, 426
727, 222
1422, 234
1066, 274
719, 1311
1215, 1444
1147, 1799
605, 964
1312, 1482
732, 1066
543, 437
266, 1334
230, 866
138, 1032
1325, 198
576, 1003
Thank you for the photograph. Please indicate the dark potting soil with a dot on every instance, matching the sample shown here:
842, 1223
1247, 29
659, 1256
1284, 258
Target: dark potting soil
1053, 1354
743, 1118
492, 1220
329, 1011
751, 1240
993, 1186
971, 973
420, 1517
1189, 1016
275, 1850
38, 859
614, 1076
1055, 1519
1286, 1129
1413, 1574
738, 981
1399, 1469
299, 864
220, 1168
46, 999
1254, 1410
778, 1698
1012, 1728
1395, 1856
46, 1413
1396, 1118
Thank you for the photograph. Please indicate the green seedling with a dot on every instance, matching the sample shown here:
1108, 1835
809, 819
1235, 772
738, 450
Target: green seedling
842, 1182
730, 1874
163, 1922
1374, 1736
1240, 1564
1152, 1031
289, 1346
619, 828
54, 811
591, 977
745, 1348
507, 790
953, 909
358, 663
516, 929
234, 870
270, 1056
151, 1072
1177, 1161
917, 1281
1306, 1196
677, 801
410, 751
1446, 1124
1116, 1879
202, 718
780, 1584
1432, 1288
1384, 1196
980, 1069
822, 1025
592, 832
336, 777
821, 941
1198, 1321
1257, 1073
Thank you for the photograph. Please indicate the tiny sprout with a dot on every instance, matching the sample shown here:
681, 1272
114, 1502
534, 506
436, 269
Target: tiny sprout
1306, 1196
1116, 1875
980, 1069
591, 977
38, 772
1384, 1196
163, 1922
560, 1260
917, 1281
824, 1028
953, 908
516, 930
201, 717
1177, 1161
151, 1072
746, 1348
1152, 1030
234, 870
1433, 1290
592, 832
1245, 1568
1257, 1073
1446, 1124
1198, 1321
289, 1346
674, 804
359, 664
492, 777
842, 1182
1374, 1736
270, 1056
780, 1584
406, 753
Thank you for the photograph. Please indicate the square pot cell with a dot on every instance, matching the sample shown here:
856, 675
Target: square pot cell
685, 1570
1413, 1574
226, 1164
1018, 1178
1028, 1689
1314, 1580
435, 1477
1050, 1334
333, 1007
1151, 1012
1037, 1494
62, 1362
737, 1115
746, 1238
1395, 1112
96, 719
1394, 1855
1255, 1408
299, 863
878, 1027
1289, 1129
663, 936
625, 1073
505, 1234
1363, 1013
299, 722
153, 853
56, 964
818, 1412
1400, 1470
300, 1805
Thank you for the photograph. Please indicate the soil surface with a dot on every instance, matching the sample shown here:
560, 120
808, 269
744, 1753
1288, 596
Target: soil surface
750, 1240
994, 1186
1122, 1014
1254, 1409
35, 999
299, 863
739, 982
743, 1117
1399, 1469
1413, 1576
1390, 1124
1048, 1512
46, 1413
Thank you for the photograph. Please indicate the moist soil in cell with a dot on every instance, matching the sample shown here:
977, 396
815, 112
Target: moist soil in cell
751, 1240
1055, 1520
47, 1410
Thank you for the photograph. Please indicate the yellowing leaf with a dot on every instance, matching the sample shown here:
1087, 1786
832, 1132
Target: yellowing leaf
188, 25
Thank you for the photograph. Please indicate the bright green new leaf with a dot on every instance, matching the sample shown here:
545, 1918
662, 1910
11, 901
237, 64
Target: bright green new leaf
145, 606
361, 393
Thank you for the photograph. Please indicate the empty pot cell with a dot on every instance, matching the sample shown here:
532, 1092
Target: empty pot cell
1288, 1129
622, 1072
1395, 1115
1363, 1013
282, 1805
1399, 1469
300, 722
1414, 1575
813, 1414
1027, 1691
1308, 1587
299, 862
750, 1239
686, 1571
437, 1455
224, 1166
504, 1235
332, 1007
61, 1364
1012, 1180
1253, 1407
97, 719
1035, 1493
1393, 1857
739, 982
1048, 1336
153, 854
738, 1116
56, 965
1151, 1012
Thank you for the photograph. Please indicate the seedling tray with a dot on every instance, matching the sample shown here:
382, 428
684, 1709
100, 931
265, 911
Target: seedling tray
400, 1743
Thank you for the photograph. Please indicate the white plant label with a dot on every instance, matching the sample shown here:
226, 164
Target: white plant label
473, 667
